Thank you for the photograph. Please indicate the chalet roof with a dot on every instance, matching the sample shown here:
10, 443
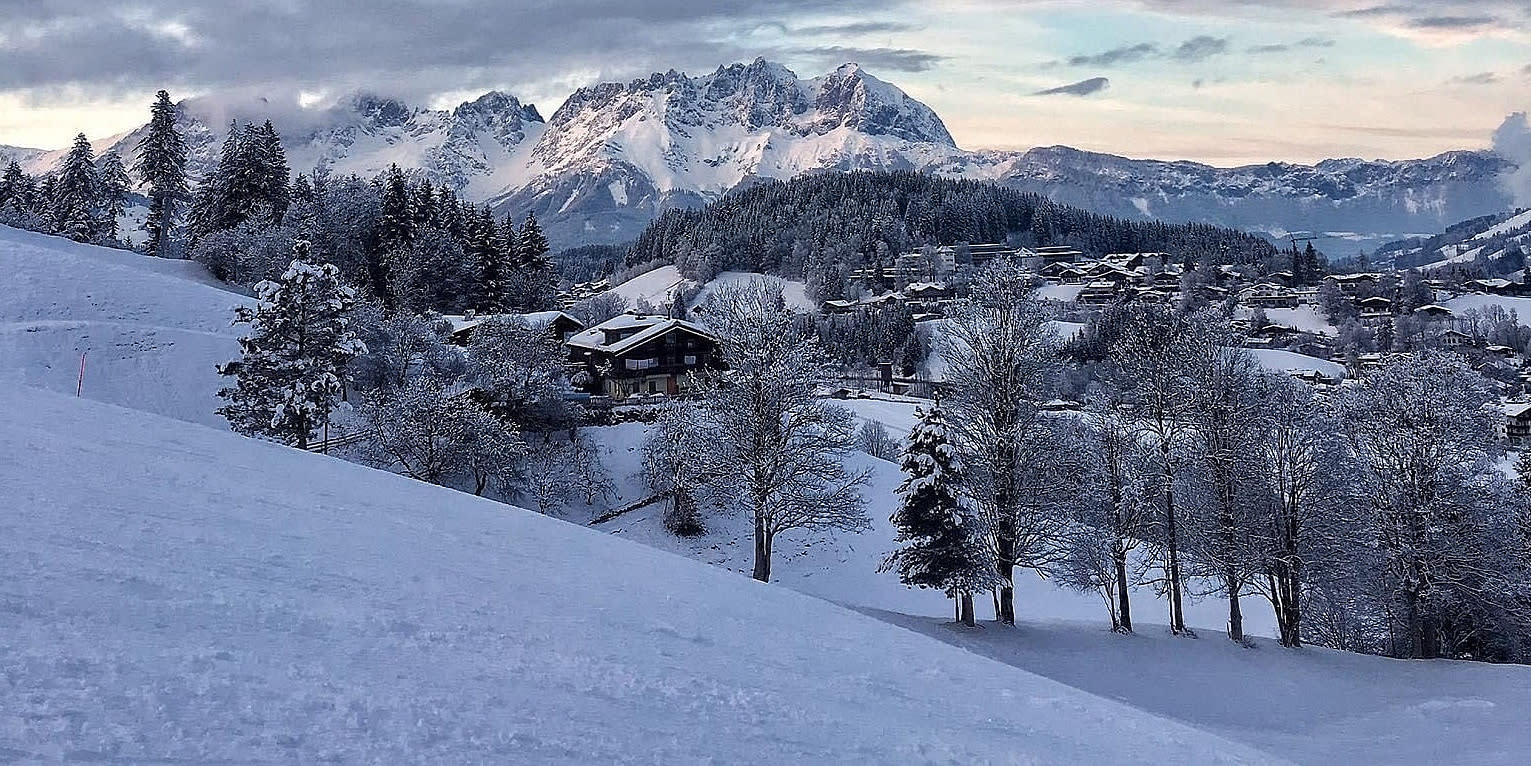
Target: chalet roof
1364, 276
648, 328
1433, 308
1517, 409
1376, 300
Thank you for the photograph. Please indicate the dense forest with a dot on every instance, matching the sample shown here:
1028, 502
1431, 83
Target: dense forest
822, 227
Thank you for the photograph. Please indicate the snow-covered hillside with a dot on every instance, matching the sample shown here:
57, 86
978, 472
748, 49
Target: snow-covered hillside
248, 602
1503, 236
151, 329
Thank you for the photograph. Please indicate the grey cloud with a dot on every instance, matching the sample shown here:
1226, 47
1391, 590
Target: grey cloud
853, 29
1123, 55
1081, 88
1452, 22
1201, 48
415, 48
1481, 78
891, 59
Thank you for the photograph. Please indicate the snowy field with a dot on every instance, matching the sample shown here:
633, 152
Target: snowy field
246, 602
1304, 318
795, 293
151, 329
1521, 306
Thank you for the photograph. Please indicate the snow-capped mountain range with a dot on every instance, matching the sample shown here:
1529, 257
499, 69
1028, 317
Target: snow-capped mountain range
615, 155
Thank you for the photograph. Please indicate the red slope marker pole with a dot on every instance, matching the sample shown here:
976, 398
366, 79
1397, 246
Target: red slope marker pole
80, 385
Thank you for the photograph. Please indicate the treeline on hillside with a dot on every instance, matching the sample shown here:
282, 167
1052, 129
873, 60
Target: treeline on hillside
822, 227
405, 242
80, 200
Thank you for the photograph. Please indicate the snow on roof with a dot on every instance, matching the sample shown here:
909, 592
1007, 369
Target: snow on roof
1517, 409
648, 327
1292, 362
536, 319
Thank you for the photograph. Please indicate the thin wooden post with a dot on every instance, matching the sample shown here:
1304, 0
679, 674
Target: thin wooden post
80, 384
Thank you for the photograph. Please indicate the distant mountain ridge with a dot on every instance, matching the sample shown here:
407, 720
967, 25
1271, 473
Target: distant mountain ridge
615, 155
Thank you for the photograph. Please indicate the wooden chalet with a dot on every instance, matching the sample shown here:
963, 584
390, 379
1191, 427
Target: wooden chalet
1517, 423
634, 355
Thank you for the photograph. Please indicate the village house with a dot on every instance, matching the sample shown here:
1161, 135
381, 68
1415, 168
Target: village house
633, 354
1517, 423
1350, 284
1455, 339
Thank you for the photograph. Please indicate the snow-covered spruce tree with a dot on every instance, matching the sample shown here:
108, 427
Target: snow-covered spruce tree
944, 544
77, 212
114, 185
290, 375
535, 279
1444, 517
161, 167
1002, 361
785, 445
1158, 356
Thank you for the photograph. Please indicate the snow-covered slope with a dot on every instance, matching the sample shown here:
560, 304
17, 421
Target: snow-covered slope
1504, 237
248, 602
151, 329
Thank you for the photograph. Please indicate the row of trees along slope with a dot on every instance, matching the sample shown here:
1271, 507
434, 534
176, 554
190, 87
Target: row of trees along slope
822, 227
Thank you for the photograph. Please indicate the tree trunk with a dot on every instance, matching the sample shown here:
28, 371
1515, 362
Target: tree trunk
1235, 610
762, 551
966, 612
1007, 590
1123, 600
1172, 532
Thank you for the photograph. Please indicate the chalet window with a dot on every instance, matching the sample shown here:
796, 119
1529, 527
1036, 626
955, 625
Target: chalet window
641, 364
690, 360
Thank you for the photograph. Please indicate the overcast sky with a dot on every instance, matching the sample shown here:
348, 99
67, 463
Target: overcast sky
1223, 81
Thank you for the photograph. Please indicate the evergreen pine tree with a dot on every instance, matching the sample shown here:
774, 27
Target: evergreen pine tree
162, 167
77, 194
290, 376
496, 269
10, 183
396, 228
114, 185
535, 278
271, 175
943, 543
